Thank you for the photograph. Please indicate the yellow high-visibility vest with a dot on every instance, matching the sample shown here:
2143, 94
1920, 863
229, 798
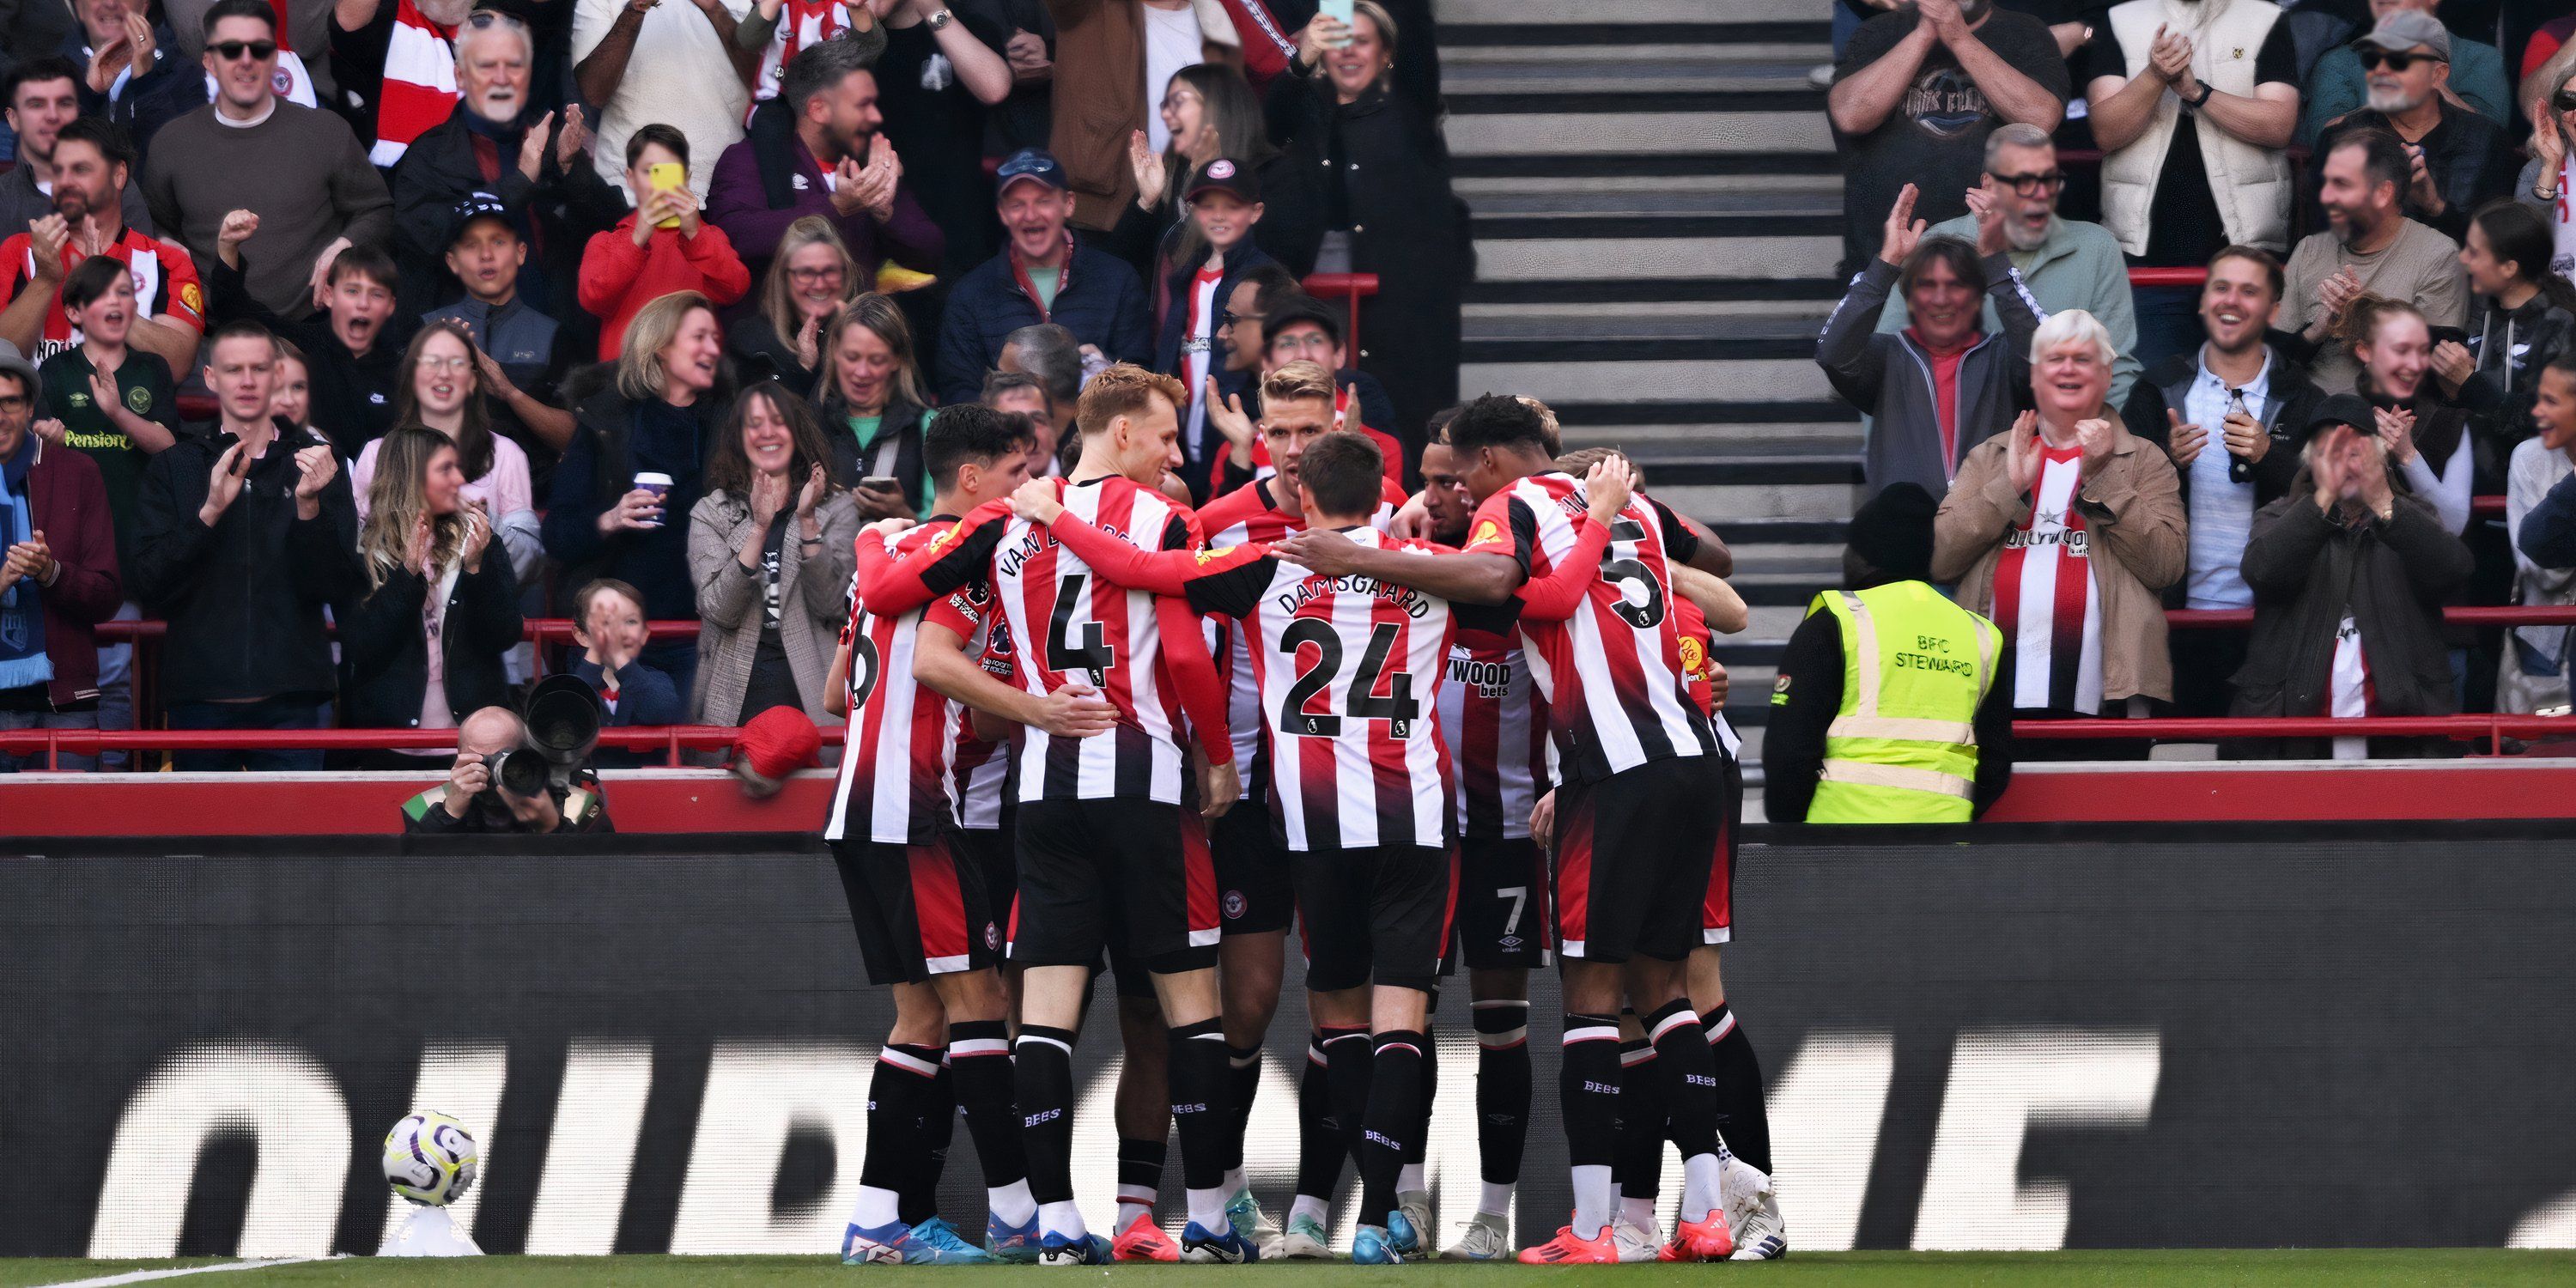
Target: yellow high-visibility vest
1903, 749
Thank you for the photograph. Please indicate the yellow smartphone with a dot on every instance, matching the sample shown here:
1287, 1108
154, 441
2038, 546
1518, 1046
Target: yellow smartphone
667, 175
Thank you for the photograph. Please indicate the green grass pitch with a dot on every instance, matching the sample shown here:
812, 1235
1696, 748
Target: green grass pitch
2185, 1269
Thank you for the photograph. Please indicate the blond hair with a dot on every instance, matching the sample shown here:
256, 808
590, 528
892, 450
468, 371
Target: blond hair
1124, 389
1303, 378
639, 359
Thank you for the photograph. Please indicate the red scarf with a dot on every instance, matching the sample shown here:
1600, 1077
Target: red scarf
1945, 392
420, 83
1063, 277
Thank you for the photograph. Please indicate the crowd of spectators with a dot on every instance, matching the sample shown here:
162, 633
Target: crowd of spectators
2375, 198
627, 312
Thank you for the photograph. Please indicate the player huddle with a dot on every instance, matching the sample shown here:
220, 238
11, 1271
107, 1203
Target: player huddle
1089, 726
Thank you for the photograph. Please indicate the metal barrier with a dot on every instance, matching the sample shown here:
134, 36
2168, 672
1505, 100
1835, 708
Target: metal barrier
2491, 729
1350, 288
671, 739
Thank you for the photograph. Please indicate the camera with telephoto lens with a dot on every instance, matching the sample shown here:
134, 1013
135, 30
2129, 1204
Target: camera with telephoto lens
562, 722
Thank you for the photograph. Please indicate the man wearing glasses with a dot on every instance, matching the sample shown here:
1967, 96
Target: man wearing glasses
2067, 264
2337, 84
2193, 102
301, 171
2460, 160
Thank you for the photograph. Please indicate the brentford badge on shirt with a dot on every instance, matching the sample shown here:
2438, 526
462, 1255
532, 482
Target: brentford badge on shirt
1220, 169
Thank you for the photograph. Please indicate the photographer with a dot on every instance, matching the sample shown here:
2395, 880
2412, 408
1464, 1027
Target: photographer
470, 802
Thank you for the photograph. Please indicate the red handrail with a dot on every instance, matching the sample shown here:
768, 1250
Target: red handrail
2167, 276
1352, 287
2492, 729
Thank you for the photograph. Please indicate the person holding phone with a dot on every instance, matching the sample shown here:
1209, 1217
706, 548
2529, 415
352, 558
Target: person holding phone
771, 549
423, 646
242, 536
874, 411
662, 247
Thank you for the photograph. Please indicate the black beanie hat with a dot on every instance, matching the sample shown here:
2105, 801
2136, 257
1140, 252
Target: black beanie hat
1894, 531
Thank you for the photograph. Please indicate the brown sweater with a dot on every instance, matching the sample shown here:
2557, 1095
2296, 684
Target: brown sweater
301, 171
1099, 101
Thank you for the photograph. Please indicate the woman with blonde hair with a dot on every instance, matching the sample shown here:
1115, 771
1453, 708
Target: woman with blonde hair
771, 548
438, 387
422, 648
811, 279
637, 462
874, 411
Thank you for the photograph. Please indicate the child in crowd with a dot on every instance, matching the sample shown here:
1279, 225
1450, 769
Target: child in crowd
351, 353
520, 354
608, 624
1225, 203
641, 260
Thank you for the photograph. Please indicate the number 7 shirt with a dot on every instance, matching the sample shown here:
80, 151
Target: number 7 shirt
1070, 626
1617, 692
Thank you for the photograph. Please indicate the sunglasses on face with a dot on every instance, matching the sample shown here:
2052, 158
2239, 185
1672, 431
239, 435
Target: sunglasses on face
2031, 185
232, 50
1228, 317
2374, 59
481, 18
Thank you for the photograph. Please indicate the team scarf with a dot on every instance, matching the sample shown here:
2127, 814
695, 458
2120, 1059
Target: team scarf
420, 83
1063, 279
22, 611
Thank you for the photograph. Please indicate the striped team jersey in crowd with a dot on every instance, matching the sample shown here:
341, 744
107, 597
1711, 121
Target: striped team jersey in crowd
165, 285
1611, 671
1068, 625
1247, 516
1348, 670
2046, 601
894, 786
979, 769
1495, 723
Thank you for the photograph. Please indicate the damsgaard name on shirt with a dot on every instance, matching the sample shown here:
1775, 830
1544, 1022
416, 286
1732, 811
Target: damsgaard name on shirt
1414, 603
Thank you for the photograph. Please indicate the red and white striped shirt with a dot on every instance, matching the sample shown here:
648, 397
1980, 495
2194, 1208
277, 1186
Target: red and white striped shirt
1495, 723
980, 769
1348, 670
1068, 626
1611, 668
894, 786
2046, 601
165, 285
802, 24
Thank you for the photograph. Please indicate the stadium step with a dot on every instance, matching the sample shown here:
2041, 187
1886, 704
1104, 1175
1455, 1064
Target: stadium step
1657, 208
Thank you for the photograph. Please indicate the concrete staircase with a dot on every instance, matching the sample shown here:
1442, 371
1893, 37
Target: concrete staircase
1657, 216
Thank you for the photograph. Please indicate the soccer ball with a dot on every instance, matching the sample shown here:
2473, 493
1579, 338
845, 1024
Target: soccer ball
430, 1158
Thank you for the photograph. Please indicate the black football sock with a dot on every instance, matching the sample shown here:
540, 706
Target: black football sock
1417, 1146
1347, 1060
1502, 1088
1243, 1082
1391, 1121
1588, 1091
889, 1165
937, 1128
979, 1066
1042, 1068
1747, 1122
1637, 1165
1140, 1175
1319, 1141
1201, 1114
1689, 1081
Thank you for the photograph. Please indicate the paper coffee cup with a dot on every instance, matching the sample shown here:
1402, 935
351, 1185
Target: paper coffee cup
658, 484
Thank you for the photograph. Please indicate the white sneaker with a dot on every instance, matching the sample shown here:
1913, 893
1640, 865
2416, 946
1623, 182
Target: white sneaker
1821, 76
1752, 1212
1255, 1224
1637, 1242
1487, 1238
1305, 1241
1416, 1207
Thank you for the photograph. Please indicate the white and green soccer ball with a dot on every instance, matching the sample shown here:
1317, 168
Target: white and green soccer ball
430, 1158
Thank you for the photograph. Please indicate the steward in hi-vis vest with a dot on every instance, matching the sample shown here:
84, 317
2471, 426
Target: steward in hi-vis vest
1892, 703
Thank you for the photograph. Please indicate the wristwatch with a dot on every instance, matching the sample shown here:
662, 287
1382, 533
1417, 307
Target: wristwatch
2544, 194
939, 20
2205, 92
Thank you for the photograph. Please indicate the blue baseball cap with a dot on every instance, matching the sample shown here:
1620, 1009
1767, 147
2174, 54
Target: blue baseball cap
1031, 163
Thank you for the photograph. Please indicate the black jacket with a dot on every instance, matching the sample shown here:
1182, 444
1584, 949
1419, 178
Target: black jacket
896, 452
1101, 300
353, 395
760, 353
2307, 571
583, 808
1385, 176
1169, 355
1292, 219
2471, 161
2292, 397
244, 599
555, 214
387, 655
2511, 346
598, 468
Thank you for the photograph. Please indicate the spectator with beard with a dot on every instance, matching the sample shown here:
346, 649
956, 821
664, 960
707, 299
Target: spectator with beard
2522, 317
2457, 159
42, 96
1924, 428
641, 62
2369, 247
1915, 95
2067, 264
395, 61
495, 140
350, 350
662, 247
2192, 103
2230, 419
91, 163
1044, 274
299, 170
2349, 573
818, 150
1260, 289
2064, 530
130, 76
2337, 84
2534, 672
